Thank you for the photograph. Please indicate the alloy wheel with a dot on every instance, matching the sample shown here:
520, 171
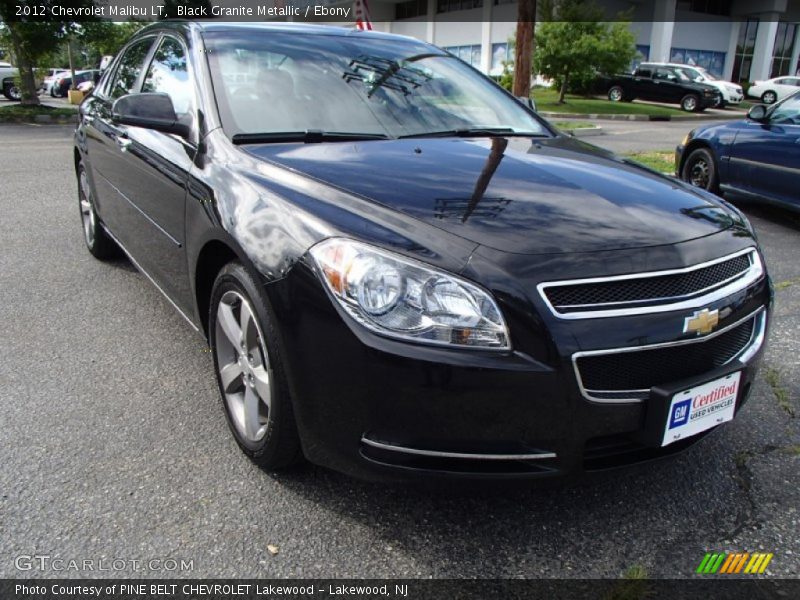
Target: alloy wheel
689, 104
615, 94
769, 97
87, 209
243, 366
699, 173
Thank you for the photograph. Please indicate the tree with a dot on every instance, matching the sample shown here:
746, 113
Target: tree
105, 38
523, 43
32, 39
577, 46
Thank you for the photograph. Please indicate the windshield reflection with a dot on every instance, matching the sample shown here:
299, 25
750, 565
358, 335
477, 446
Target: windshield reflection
347, 84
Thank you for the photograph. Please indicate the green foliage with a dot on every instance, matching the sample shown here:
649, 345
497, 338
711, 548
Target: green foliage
31, 40
575, 48
506, 78
106, 38
34, 43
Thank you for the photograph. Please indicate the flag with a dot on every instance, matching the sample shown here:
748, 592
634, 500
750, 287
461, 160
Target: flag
361, 13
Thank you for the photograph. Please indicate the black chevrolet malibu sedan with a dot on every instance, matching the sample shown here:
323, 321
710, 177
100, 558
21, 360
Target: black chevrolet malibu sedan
401, 270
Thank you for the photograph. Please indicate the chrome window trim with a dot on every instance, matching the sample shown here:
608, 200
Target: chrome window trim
690, 301
750, 349
463, 455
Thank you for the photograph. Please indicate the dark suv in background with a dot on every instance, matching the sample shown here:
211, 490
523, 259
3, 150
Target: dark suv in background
662, 83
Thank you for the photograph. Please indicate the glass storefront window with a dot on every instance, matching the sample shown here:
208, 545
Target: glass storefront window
782, 52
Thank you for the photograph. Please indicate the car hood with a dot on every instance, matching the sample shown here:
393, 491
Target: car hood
553, 196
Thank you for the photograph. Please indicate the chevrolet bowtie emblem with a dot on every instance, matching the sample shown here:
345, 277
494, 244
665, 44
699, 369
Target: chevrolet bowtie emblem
701, 322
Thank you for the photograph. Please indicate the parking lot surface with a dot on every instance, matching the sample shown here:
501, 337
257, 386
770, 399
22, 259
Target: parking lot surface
114, 443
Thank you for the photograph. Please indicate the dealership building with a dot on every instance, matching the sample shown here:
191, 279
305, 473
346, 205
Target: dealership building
739, 40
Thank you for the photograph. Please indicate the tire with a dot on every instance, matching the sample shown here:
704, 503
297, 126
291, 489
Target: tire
252, 370
97, 241
12, 92
616, 93
769, 97
722, 104
690, 103
700, 169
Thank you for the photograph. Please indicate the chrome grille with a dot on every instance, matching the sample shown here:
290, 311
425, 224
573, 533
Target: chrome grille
652, 292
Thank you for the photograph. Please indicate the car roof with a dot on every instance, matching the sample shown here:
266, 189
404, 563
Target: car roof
660, 64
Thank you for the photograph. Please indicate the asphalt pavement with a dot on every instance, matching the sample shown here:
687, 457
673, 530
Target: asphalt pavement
114, 443
644, 136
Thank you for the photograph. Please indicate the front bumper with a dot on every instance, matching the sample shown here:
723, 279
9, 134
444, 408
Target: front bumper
385, 410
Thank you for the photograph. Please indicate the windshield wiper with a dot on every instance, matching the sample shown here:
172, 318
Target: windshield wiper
477, 132
309, 136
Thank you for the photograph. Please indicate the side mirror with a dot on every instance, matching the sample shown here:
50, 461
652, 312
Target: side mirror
150, 111
757, 113
527, 102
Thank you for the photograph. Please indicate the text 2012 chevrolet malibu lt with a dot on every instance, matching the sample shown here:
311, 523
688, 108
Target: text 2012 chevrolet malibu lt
402, 270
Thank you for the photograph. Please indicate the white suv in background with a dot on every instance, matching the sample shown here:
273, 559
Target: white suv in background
732, 93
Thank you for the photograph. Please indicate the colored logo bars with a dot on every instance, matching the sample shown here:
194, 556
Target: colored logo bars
740, 562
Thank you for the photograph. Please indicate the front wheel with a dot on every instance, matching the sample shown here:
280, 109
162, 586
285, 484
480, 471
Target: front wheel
250, 373
700, 170
690, 103
769, 97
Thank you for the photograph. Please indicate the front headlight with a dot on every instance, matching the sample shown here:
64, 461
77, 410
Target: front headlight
401, 298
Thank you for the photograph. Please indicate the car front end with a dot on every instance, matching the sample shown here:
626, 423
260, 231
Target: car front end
588, 382
603, 326
732, 93
710, 96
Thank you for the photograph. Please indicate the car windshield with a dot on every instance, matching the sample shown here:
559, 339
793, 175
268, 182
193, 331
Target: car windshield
336, 84
706, 74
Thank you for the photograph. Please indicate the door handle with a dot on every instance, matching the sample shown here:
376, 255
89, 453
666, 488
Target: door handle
124, 142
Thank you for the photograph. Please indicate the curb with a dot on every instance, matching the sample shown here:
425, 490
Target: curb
600, 117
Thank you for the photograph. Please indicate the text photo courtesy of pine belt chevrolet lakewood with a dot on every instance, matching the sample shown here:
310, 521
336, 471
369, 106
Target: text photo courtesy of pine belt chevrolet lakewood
401, 270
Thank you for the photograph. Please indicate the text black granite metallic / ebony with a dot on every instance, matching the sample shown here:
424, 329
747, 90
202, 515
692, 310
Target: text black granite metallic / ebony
401, 270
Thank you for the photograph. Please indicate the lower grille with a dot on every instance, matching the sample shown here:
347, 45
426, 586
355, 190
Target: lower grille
628, 375
611, 452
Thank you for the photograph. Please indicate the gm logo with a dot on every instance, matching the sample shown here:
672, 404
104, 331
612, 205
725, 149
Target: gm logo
680, 413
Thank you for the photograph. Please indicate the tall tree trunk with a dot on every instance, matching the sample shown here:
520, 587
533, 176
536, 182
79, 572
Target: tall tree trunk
73, 85
25, 66
563, 91
523, 43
